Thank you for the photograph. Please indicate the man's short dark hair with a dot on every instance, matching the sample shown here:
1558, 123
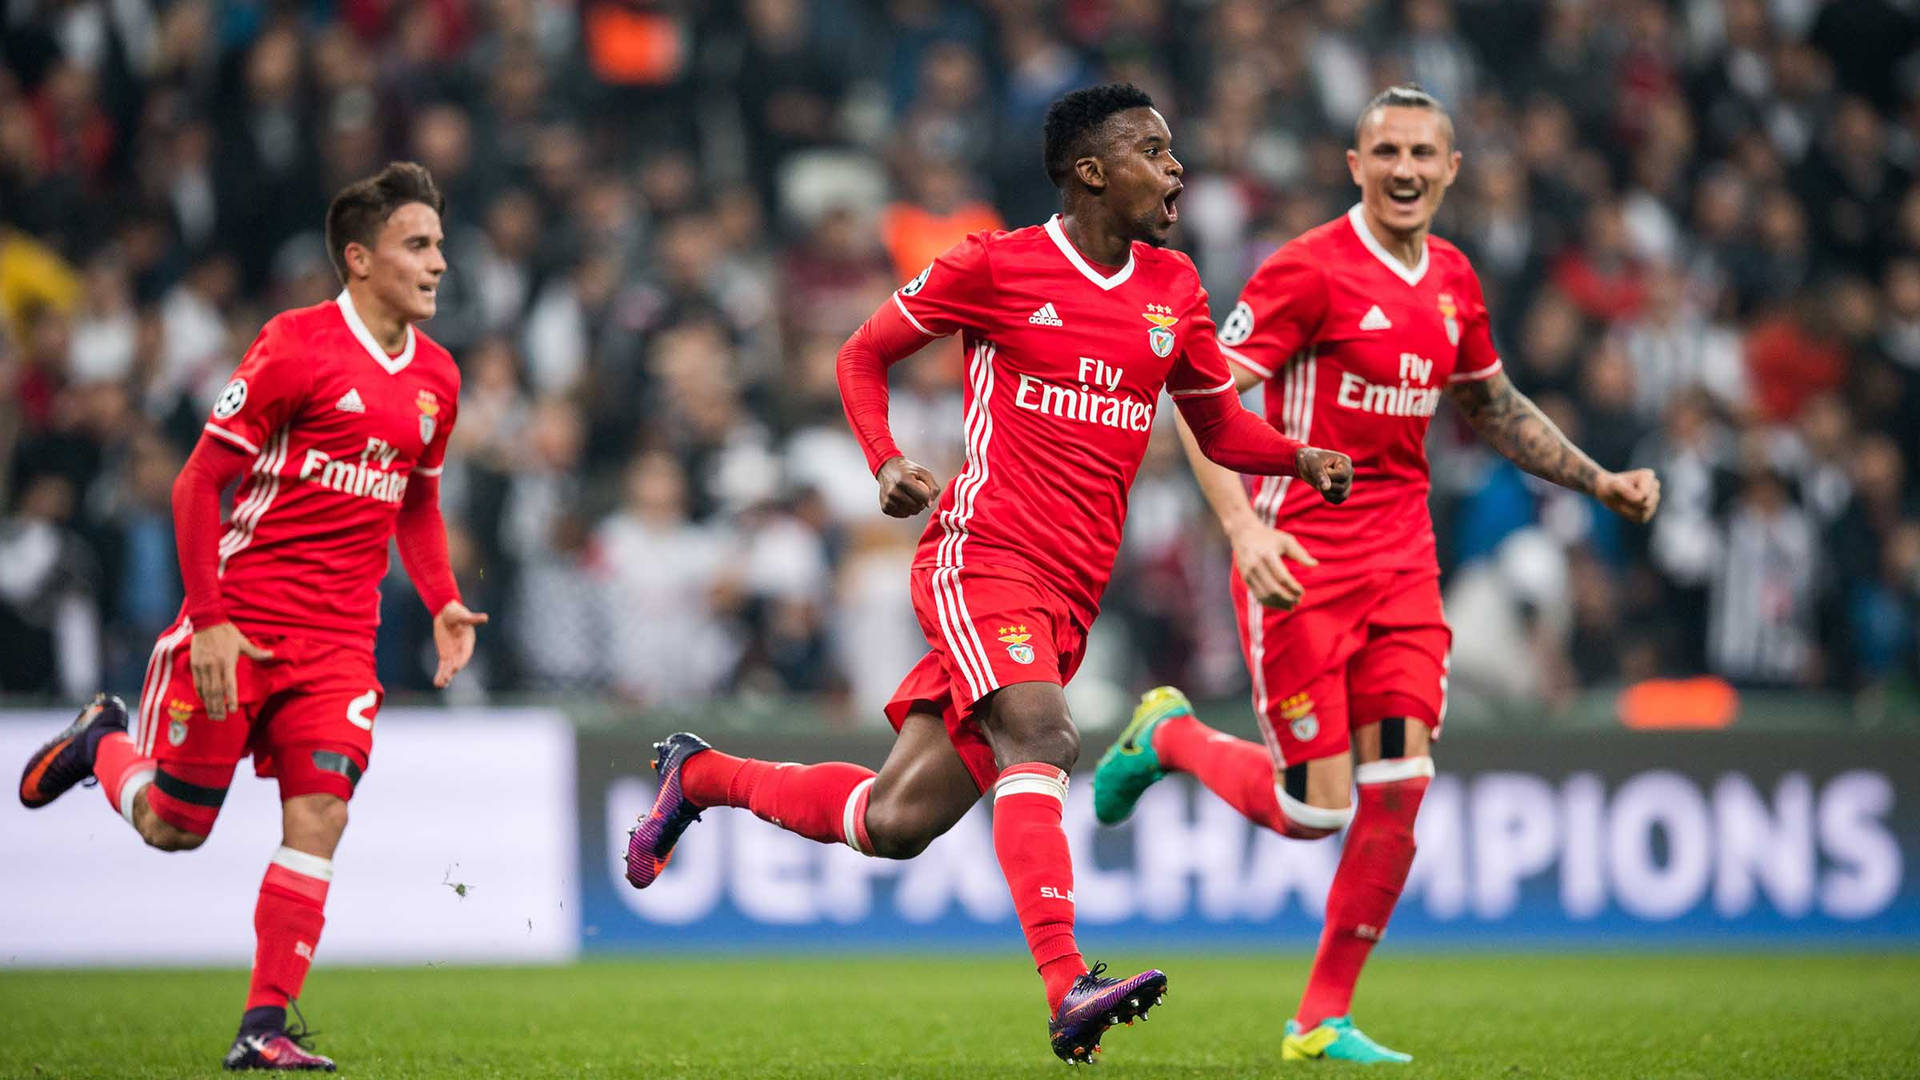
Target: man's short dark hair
362, 208
1074, 123
1404, 96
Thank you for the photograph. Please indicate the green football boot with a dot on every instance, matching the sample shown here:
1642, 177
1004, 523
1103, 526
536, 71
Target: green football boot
1336, 1040
1129, 767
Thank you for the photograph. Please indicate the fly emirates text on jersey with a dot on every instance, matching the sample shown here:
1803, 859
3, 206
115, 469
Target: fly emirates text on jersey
368, 477
1095, 401
1403, 400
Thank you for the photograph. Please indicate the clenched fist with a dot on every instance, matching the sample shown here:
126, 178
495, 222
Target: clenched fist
906, 487
1633, 495
1330, 472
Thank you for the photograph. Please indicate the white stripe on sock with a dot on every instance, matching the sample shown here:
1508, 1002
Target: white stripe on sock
130, 789
300, 862
849, 824
1054, 787
1388, 771
1312, 817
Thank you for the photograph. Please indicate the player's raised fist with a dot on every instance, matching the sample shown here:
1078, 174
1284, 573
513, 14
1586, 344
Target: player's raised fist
1330, 472
906, 487
1633, 495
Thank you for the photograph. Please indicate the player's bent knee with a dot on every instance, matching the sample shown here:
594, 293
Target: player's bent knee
1029, 722
319, 817
897, 834
1052, 743
164, 837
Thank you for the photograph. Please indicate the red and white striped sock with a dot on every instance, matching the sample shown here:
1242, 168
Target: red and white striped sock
287, 921
1241, 773
1028, 801
1373, 870
122, 771
825, 802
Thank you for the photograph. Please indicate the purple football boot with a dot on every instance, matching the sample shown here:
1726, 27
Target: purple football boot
650, 843
67, 758
1096, 1004
274, 1050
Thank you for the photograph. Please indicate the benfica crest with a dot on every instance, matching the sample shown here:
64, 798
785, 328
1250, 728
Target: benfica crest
1298, 712
1450, 313
1015, 638
1160, 338
429, 414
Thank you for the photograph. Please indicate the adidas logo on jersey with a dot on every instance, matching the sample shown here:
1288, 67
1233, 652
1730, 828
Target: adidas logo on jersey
350, 402
1375, 319
1046, 316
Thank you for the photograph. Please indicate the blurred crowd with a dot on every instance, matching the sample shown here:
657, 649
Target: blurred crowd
1697, 224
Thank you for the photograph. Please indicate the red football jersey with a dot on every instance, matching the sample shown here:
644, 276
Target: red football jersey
1355, 348
335, 427
1065, 364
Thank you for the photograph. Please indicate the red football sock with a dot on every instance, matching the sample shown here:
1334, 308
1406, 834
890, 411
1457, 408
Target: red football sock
287, 922
826, 802
1373, 869
1241, 773
122, 772
1238, 771
1027, 803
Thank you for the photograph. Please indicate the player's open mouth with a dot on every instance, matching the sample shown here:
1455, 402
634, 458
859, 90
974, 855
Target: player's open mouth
1173, 212
1404, 196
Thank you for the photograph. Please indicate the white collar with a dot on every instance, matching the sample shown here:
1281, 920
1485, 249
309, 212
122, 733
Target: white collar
393, 364
1080, 263
1412, 277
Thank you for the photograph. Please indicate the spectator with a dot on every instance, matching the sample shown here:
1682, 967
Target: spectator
1697, 226
667, 591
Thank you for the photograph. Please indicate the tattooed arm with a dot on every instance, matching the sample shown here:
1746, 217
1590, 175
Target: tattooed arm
1512, 424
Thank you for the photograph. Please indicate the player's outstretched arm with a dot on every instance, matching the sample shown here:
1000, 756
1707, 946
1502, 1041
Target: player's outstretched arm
1259, 552
1511, 423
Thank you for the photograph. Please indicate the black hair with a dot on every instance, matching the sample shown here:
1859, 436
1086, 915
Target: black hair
1074, 123
1403, 96
362, 208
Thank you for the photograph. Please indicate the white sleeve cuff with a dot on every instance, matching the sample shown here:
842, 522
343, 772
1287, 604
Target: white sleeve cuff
230, 437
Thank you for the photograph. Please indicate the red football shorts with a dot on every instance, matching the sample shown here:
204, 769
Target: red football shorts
306, 716
1355, 652
988, 627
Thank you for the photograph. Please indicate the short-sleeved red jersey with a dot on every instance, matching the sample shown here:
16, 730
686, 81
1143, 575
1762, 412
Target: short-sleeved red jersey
1355, 348
1065, 364
336, 427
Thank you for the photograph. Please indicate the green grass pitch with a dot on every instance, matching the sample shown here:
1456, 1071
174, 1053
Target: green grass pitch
1511, 1016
